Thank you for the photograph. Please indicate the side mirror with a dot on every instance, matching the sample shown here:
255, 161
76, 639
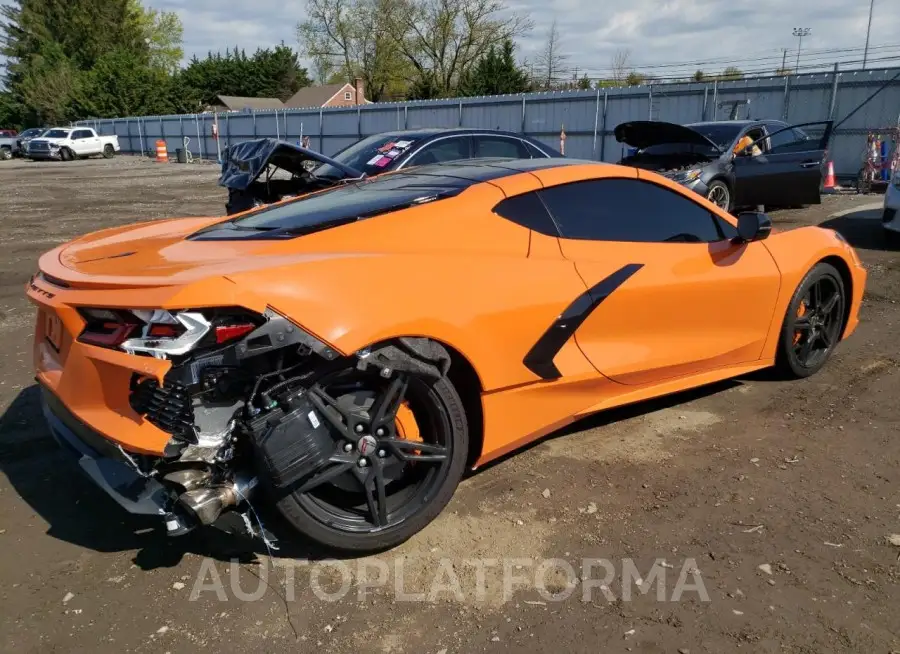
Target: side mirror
753, 226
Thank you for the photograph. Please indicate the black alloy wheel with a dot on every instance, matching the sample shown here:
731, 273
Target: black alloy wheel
400, 451
814, 323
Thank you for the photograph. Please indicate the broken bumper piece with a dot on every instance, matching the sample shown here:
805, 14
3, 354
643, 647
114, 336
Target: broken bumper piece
103, 463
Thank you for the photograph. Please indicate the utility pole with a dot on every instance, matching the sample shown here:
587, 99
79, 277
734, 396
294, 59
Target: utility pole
800, 32
868, 30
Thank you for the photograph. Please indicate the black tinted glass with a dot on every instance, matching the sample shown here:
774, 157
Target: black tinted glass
352, 202
628, 210
373, 155
527, 210
722, 134
496, 146
451, 149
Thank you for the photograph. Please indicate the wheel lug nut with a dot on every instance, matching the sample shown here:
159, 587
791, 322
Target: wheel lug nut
379, 431
359, 429
381, 454
348, 447
362, 463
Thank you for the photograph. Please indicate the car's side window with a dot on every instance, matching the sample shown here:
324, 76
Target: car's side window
76, 135
791, 140
782, 137
534, 151
500, 146
450, 149
628, 210
528, 211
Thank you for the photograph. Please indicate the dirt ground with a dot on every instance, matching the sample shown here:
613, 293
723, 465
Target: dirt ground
767, 506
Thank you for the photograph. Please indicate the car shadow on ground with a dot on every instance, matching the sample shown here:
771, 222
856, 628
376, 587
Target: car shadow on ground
77, 512
864, 230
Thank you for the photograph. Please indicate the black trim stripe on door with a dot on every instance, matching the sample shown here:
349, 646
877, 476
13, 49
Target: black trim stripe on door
539, 359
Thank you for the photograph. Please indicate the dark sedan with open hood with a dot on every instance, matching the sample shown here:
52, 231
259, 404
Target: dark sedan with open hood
263, 171
734, 163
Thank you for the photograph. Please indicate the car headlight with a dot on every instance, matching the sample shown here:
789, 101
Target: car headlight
686, 176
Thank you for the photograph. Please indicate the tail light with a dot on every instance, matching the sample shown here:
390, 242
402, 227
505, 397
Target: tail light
107, 328
229, 332
161, 333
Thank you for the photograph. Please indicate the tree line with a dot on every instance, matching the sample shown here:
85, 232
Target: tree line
73, 59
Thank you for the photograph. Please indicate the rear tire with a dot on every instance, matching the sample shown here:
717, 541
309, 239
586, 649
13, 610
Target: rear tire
813, 324
420, 492
108, 151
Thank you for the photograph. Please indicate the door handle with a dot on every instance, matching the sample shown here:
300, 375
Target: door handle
810, 164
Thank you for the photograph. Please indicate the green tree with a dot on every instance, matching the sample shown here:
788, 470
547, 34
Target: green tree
496, 73
635, 78
585, 83
346, 39
121, 84
698, 76
424, 87
273, 73
426, 45
731, 73
52, 48
162, 32
49, 88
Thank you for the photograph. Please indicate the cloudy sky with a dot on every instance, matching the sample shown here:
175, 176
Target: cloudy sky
658, 33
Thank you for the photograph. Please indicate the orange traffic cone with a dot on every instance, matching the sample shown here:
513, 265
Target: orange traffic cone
830, 184
162, 154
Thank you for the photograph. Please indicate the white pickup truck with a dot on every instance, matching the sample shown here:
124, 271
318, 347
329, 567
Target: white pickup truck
67, 143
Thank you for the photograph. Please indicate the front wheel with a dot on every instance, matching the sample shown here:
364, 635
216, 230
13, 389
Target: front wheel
66, 154
814, 322
720, 195
5, 153
400, 451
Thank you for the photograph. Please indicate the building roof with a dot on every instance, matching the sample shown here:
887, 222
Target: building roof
316, 96
236, 103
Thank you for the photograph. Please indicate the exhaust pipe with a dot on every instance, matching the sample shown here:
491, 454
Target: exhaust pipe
205, 505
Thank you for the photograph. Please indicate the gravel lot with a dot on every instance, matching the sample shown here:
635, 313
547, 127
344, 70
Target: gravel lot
776, 500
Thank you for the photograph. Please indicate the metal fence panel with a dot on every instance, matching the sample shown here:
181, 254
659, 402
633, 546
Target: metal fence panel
588, 117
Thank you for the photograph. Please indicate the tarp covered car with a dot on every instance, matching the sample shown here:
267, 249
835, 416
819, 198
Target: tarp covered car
249, 172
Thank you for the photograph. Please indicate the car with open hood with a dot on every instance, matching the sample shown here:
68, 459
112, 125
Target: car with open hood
263, 171
734, 163
347, 355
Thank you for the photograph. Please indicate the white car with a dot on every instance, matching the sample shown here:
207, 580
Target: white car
67, 143
891, 216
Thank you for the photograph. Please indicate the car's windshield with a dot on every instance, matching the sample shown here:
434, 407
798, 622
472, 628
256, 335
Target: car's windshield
57, 134
34, 131
722, 134
373, 155
351, 202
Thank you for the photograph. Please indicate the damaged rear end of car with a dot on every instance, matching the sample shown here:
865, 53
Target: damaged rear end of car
183, 392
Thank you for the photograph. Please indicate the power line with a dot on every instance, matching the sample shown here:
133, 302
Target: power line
767, 56
810, 62
761, 72
809, 55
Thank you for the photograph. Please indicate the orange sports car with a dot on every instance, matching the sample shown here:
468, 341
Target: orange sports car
347, 355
